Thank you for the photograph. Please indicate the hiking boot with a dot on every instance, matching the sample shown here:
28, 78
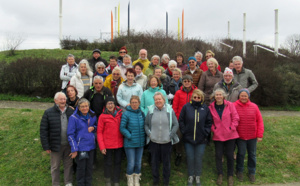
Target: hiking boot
240, 176
136, 179
190, 181
252, 178
107, 182
178, 159
220, 179
230, 181
129, 180
198, 183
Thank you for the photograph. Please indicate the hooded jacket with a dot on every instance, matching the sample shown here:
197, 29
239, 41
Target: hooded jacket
233, 92
66, 75
77, 82
195, 122
251, 124
80, 139
125, 92
147, 98
224, 129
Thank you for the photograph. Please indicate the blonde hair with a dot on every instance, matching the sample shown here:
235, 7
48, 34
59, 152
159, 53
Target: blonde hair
215, 62
199, 93
177, 70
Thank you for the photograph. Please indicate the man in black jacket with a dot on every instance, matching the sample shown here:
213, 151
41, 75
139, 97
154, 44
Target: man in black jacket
96, 58
53, 133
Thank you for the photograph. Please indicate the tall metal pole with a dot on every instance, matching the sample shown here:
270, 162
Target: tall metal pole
60, 20
167, 24
276, 33
228, 36
244, 37
116, 20
119, 20
182, 25
111, 26
128, 18
178, 29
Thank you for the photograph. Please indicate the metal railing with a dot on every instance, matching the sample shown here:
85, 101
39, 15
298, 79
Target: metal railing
255, 51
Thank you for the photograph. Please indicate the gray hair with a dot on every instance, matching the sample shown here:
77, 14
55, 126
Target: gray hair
159, 94
198, 53
164, 57
156, 56
212, 96
172, 62
58, 94
98, 77
127, 56
188, 77
159, 69
83, 100
100, 64
237, 58
116, 69
71, 55
88, 68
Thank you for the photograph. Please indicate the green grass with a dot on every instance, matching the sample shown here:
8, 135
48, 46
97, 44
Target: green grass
10, 97
281, 108
23, 162
52, 53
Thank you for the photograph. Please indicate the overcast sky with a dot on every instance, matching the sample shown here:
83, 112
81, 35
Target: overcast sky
38, 20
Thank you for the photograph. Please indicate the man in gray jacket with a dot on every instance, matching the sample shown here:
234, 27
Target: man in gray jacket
68, 71
243, 76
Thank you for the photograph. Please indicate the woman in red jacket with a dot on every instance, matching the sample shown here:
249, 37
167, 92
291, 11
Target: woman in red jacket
110, 140
250, 129
181, 97
225, 122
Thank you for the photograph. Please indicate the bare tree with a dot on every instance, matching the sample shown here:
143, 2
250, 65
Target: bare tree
292, 44
12, 42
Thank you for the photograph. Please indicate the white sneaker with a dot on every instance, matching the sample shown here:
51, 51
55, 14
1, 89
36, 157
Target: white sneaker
69, 184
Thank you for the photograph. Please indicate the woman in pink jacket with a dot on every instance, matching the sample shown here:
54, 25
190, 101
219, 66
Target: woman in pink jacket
225, 122
250, 129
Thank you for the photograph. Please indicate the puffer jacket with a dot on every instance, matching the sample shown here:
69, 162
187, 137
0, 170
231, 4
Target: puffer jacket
195, 122
50, 128
196, 75
147, 98
181, 98
125, 92
77, 82
246, 79
251, 124
132, 128
224, 129
108, 133
233, 93
80, 139
66, 74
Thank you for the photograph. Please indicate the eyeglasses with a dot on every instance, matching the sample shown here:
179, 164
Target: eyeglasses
186, 81
100, 68
116, 74
196, 97
110, 103
192, 62
122, 52
208, 56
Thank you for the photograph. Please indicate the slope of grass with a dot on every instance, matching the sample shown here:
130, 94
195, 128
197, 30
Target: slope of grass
23, 162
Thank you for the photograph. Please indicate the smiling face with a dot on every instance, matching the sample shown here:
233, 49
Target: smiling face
130, 77
158, 73
116, 75
187, 83
171, 67
176, 75
84, 108
179, 59
228, 78
82, 68
134, 103
192, 64
100, 69
219, 97
238, 66
113, 62
155, 61
110, 106
126, 61
122, 53
138, 69
60, 101
71, 92
198, 57
196, 97
143, 54
165, 61
159, 101
211, 66
244, 98
153, 82
208, 55
71, 61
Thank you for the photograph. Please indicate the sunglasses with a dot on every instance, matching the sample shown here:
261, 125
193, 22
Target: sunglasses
192, 62
208, 56
115, 74
100, 68
186, 81
196, 97
122, 52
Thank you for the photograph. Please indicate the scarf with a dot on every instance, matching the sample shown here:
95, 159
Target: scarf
170, 72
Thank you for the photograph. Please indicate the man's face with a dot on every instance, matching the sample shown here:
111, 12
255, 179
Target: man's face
143, 54
155, 61
71, 60
228, 78
98, 84
157, 73
60, 101
96, 55
238, 66
113, 62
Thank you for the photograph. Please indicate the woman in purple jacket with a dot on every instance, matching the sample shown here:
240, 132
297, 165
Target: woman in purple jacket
225, 122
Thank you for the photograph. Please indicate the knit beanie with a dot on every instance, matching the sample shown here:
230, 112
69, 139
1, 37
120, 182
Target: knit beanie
124, 48
244, 90
192, 58
108, 99
228, 71
97, 50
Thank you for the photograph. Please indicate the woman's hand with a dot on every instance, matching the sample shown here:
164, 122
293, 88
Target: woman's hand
259, 139
91, 129
73, 154
103, 151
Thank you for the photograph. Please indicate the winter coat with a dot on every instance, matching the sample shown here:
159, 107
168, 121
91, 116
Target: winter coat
132, 127
246, 79
172, 122
108, 133
145, 62
125, 92
93, 61
142, 80
150, 69
195, 122
207, 83
66, 74
183, 67
251, 124
147, 98
108, 80
50, 128
233, 92
80, 139
196, 75
224, 129
78, 84
181, 98
165, 81
204, 67
98, 103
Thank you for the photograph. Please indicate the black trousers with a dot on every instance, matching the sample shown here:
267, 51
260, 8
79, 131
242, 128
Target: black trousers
229, 149
112, 161
85, 169
160, 153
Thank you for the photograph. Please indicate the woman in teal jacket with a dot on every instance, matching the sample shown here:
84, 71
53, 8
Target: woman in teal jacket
154, 85
132, 127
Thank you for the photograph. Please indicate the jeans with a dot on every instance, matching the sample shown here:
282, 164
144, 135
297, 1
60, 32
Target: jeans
229, 149
85, 169
56, 158
134, 160
109, 164
250, 146
160, 153
194, 156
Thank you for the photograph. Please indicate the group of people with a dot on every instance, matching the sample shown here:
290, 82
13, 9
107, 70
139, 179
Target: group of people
159, 106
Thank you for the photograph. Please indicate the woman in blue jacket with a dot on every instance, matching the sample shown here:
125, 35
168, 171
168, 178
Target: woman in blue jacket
132, 127
81, 135
195, 124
